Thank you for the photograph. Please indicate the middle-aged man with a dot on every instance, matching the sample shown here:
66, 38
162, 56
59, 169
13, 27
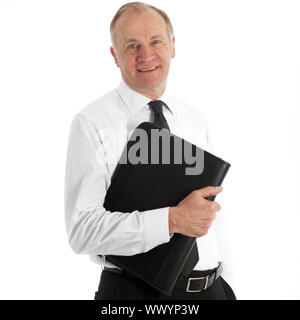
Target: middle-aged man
143, 45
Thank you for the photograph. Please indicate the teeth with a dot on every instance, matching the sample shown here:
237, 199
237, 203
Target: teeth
147, 69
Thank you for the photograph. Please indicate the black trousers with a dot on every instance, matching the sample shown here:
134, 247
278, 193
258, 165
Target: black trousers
113, 286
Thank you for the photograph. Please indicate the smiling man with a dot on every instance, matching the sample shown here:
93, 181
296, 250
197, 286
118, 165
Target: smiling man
143, 51
143, 45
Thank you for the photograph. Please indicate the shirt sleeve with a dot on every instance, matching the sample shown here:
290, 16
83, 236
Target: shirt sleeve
91, 229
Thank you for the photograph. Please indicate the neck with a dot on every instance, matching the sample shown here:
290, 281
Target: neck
153, 94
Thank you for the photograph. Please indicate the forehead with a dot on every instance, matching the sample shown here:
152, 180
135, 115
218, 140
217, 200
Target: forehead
134, 24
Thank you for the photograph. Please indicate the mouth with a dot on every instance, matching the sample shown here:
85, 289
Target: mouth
149, 69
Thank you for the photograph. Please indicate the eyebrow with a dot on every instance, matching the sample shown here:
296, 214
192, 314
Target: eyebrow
131, 40
156, 36
153, 37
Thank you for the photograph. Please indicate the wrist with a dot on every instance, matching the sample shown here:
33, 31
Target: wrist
172, 220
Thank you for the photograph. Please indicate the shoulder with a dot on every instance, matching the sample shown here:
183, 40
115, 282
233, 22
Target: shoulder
188, 109
192, 117
101, 107
98, 114
104, 113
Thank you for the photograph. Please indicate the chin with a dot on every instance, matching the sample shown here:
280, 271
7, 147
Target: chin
152, 84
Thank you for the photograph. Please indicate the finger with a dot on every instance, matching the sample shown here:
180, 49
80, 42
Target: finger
209, 191
213, 206
217, 206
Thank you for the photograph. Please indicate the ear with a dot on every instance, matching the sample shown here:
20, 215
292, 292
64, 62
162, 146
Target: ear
114, 54
173, 48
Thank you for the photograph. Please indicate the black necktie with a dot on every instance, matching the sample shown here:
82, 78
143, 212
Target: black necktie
159, 118
161, 122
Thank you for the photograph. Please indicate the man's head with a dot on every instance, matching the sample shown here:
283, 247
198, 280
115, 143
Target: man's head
142, 47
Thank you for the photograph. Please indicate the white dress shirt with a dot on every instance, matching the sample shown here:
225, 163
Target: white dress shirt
98, 135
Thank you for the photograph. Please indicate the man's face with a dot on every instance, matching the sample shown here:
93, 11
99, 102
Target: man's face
143, 51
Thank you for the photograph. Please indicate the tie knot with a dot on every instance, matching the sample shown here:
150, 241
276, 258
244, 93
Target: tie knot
159, 119
156, 106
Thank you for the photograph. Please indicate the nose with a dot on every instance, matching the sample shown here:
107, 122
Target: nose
145, 54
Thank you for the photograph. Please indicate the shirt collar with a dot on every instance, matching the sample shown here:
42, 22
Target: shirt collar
136, 101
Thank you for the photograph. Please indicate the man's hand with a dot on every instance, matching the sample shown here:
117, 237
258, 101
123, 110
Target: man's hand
194, 214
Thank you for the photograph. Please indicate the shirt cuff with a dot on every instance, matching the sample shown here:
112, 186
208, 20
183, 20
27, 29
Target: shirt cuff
156, 223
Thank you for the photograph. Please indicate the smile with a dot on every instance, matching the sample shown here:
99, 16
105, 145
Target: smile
147, 69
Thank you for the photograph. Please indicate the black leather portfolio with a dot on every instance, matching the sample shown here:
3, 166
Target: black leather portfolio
165, 174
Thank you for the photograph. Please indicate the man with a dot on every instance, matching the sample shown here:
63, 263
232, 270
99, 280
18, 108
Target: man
143, 45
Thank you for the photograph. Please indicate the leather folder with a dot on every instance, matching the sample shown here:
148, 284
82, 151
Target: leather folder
150, 185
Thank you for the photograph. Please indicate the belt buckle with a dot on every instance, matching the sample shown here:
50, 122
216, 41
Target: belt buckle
201, 278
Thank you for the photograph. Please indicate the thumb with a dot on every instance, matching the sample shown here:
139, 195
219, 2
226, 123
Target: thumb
209, 191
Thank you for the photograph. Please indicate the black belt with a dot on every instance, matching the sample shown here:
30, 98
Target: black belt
192, 284
197, 284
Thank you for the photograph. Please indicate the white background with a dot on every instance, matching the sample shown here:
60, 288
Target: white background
236, 60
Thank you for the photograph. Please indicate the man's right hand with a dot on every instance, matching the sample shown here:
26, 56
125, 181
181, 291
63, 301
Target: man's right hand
194, 214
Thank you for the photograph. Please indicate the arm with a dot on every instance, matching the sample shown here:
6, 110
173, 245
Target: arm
90, 228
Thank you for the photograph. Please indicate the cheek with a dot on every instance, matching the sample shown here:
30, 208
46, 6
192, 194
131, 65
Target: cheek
165, 58
130, 64
126, 64
165, 62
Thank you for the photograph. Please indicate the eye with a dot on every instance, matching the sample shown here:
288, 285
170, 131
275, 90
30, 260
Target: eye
132, 46
156, 42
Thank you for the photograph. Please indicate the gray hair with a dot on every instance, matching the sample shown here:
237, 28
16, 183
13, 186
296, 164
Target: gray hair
138, 6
